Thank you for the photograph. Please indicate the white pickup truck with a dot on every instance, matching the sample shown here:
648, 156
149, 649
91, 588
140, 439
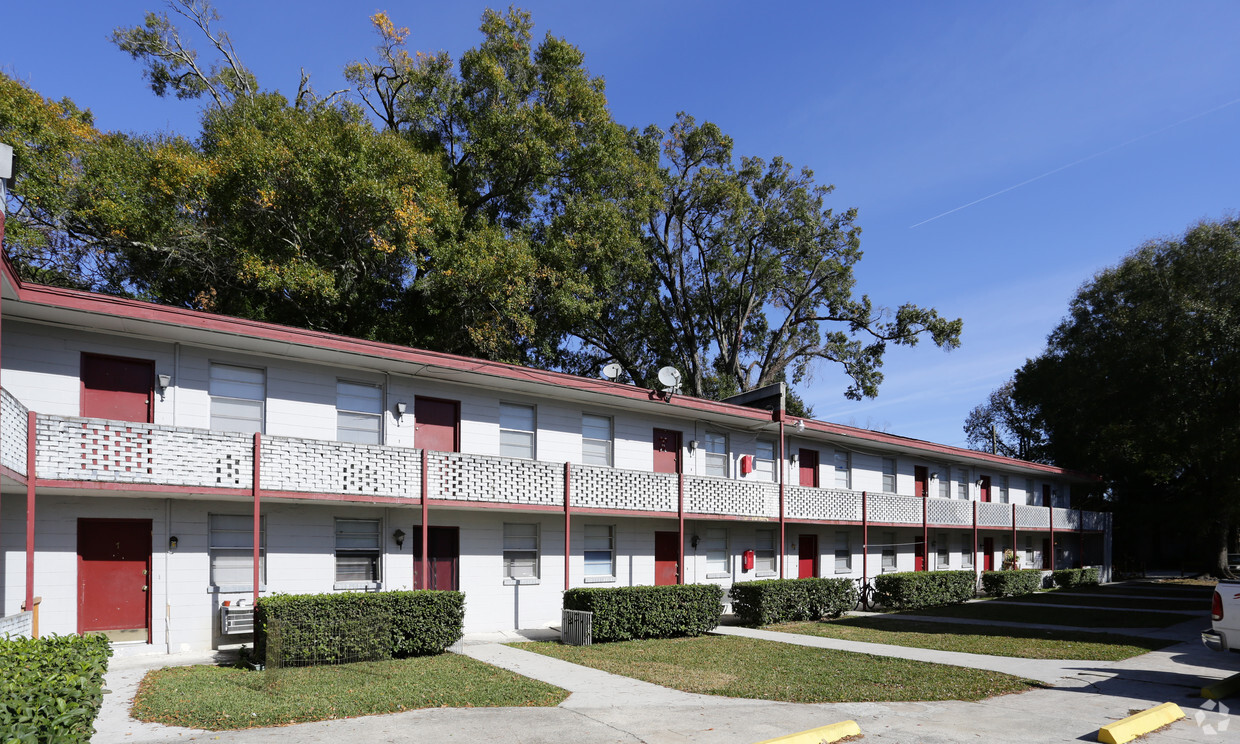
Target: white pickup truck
1224, 634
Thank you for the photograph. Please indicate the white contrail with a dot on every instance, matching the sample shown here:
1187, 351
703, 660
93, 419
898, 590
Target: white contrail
1099, 154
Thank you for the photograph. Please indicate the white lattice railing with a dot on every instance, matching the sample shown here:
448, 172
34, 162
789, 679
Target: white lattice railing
949, 511
1066, 519
315, 466
1032, 517
1095, 521
822, 503
12, 433
455, 476
81, 449
731, 497
595, 487
992, 514
893, 509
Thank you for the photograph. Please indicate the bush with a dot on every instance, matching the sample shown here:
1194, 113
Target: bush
1089, 576
1011, 583
913, 589
307, 629
51, 688
785, 600
624, 613
1069, 577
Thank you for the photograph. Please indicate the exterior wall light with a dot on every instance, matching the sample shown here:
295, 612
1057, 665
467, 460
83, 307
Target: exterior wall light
400, 411
172, 543
693, 445
399, 534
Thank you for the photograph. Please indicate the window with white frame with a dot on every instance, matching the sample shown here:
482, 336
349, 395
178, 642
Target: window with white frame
359, 413
716, 447
358, 549
942, 550
1057, 499
889, 475
962, 484
889, 551
1030, 497
715, 545
843, 469
1003, 489
843, 552
520, 551
596, 439
238, 398
516, 431
945, 482
600, 552
967, 550
231, 550
764, 461
764, 551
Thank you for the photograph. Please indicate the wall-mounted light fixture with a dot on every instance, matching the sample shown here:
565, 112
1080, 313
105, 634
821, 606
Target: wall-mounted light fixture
399, 537
693, 541
400, 412
934, 475
172, 543
793, 458
693, 445
163, 382
800, 425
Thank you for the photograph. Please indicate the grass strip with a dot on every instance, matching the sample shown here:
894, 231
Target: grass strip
1185, 591
1070, 617
219, 698
732, 666
1196, 604
1024, 643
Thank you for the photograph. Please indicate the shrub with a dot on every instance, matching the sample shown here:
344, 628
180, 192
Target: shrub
1070, 577
624, 613
913, 589
306, 629
785, 600
51, 688
1011, 583
1089, 576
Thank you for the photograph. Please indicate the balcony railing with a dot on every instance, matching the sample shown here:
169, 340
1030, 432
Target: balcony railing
72, 449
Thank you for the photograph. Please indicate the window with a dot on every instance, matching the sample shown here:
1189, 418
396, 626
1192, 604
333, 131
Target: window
359, 413
715, 543
516, 431
1003, 489
945, 482
764, 461
1057, 499
595, 440
843, 471
1028, 551
843, 552
357, 550
889, 475
231, 549
967, 549
942, 553
716, 454
1030, 497
962, 484
520, 551
764, 551
600, 550
889, 551
238, 398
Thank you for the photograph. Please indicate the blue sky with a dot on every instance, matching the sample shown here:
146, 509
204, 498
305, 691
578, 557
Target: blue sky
1116, 122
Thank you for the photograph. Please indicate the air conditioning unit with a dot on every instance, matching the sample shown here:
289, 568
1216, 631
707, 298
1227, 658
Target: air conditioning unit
236, 620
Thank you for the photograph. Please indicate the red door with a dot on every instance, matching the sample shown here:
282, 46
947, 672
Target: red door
113, 567
118, 388
666, 452
443, 552
988, 554
807, 556
808, 467
437, 424
921, 481
1046, 553
985, 488
666, 558
919, 553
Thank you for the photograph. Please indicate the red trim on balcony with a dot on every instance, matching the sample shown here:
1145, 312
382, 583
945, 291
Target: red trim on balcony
13, 475
145, 488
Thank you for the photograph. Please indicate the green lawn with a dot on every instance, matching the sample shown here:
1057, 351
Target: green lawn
1067, 616
217, 698
1120, 601
746, 668
979, 639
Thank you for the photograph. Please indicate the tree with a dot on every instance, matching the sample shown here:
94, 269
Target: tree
1141, 382
748, 279
1003, 426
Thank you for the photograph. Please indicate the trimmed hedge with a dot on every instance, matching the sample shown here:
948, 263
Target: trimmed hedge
51, 688
1011, 583
1070, 577
624, 613
308, 629
785, 600
909, 590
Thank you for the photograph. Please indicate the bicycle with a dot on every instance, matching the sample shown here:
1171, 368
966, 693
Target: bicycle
865, 595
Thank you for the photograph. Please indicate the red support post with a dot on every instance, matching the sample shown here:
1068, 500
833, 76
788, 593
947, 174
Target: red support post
680, 521
423, 578
1015, 561
1080, 543
32, 421
568, 522
783, 476
925, 533
1050, 513
865, 539
258, 456
977, 569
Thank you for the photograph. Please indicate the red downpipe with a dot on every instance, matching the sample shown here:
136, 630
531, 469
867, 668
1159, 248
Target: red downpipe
426, 530
568, 491
258, 451
31, 424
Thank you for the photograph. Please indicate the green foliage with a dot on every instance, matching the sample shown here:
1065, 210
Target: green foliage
1008, 427
51, 688
300, 629
1067, 578
624, 613
1011, 583
784, 600
914, 589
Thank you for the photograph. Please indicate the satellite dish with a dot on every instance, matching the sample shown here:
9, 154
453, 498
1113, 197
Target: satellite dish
669, 378
612, 371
